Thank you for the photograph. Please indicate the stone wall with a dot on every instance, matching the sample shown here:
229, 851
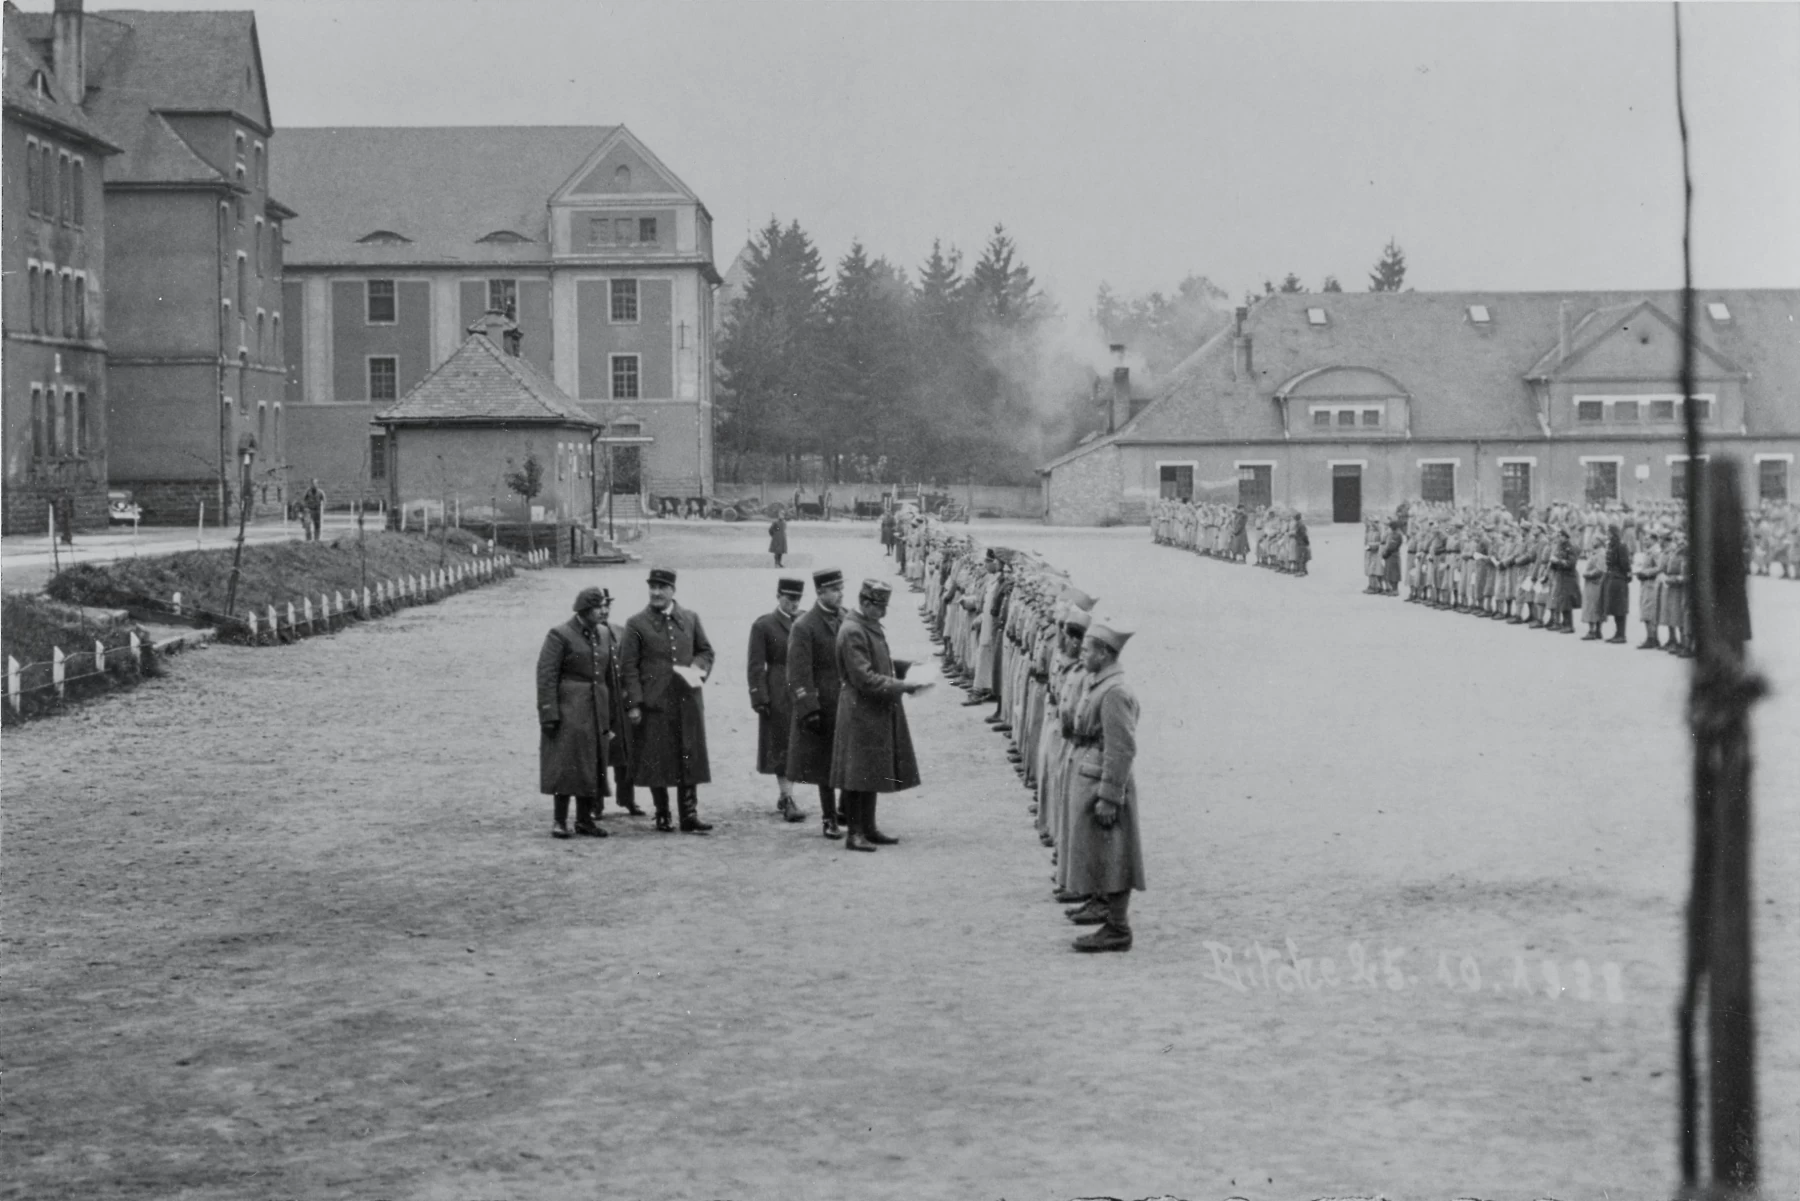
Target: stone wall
1085, 490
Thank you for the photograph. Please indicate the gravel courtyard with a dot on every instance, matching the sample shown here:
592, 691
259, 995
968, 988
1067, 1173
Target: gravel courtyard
289, 924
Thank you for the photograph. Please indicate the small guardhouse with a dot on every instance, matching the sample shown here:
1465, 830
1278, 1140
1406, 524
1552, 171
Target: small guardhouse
454, 442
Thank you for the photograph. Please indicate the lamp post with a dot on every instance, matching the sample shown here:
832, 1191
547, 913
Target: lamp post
246, 458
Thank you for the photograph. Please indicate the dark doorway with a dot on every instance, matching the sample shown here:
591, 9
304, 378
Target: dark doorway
1255, 487
1346, 492
1515, 487
627, 461
1177, 482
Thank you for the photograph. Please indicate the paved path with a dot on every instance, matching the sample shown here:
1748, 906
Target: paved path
289, 924
27, 561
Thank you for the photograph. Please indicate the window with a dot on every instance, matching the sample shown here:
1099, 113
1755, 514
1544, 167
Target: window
65, 171
81, 423
65, 425
80, 190
1625, 410
1772, 480
381, 302
243, 285
647, 229
53, 300
1702, 408
1662, 410
47, 171
1478, 313
622, 177
261, 351
260, 177
599, 231
1590, 410
35, 295
1256, 485
625, 300
624, 377
1315, 317
378, 456
259, 246
40, 424
1437, 482
1346, 417
1602, 480
383, 378
1322, 418
34, 182
503, 296
1176, 481
1371, 417
383, 237
237, 212
623, 228
275, 342
1717, 311
68, 305
1678, 476
80, 328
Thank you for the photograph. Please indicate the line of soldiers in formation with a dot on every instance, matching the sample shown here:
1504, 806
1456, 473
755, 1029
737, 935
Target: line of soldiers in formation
1270, 537
1539, 568
1016, 634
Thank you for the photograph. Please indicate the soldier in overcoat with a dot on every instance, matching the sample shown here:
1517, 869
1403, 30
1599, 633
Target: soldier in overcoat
1104, 850
778, 537
574, 704
813, 687
667, 716
766, 670
872, 750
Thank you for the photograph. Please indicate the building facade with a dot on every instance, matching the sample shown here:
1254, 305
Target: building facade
193, 256
55, 372
1340, 402
409, 235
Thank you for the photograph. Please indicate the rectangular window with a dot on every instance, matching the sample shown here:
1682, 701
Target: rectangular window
378, 456
1346, 417
64, 174
599, 231
81, 423
1625, 410
259, 178
1437, 482
47, 168
503, 296
53, 291
1590, 410
1772, 483
80, 183
1371, 416
382, 306
647, 229
1662, 410
1602, 481
259, 246
34, 182
1678, 479
35, 295
40, 431
65, 425
1176, 481
624, 377
80, 329
1256, 485
624, 300
243, 282
1322, 418
383, 378
623, 227
1702, 409
68, 304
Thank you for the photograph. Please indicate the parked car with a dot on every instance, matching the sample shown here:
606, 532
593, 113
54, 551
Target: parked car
121, 507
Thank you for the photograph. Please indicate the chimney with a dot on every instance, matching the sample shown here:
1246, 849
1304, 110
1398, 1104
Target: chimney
1565, 330
1121, 398
501, 330
1240, 343
68, 50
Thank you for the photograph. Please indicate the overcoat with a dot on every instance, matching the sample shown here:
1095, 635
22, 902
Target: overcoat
1103, 860
813, 686
577, 670
872, 751
668, 747
1615, 587
778, 536
766, 667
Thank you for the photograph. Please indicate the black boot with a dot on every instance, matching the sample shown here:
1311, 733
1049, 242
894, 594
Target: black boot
559, 822
871, 831
855, 808
688, 798
659, 799
585, 823
828, 807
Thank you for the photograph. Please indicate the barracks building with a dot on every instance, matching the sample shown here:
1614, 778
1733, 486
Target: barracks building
1337, 403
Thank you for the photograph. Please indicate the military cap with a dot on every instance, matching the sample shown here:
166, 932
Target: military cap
790, 587
829, 577
589, 598
662, 575
1109, 632
876, 590
1080, 600
1078, 620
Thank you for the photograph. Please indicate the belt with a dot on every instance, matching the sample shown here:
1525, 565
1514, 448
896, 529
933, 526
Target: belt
1079, 741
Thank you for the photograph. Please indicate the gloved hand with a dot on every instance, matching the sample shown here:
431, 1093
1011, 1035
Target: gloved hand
1106, 813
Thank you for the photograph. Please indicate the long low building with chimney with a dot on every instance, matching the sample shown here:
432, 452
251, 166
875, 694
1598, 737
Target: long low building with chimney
1339, 403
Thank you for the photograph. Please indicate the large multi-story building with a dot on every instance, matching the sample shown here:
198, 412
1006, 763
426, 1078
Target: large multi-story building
1335, 402
55, 425
193, 252
407, 236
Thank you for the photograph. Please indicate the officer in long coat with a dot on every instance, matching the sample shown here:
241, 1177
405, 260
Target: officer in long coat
1105, 851
778, 537
574, 704
872, 751
766, 669
667, 717
813, 686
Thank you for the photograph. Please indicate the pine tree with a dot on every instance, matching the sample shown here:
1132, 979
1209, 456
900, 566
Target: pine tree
1390, 271
872, 357
1292, 283
1332, 284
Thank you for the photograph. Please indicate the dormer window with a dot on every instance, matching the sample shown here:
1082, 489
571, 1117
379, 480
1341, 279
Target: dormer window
384, 237
622, 178
1478, 314
1717, 311
1315, 317
504, 236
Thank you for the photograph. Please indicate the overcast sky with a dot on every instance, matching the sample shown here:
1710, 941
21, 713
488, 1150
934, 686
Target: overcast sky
1506, 146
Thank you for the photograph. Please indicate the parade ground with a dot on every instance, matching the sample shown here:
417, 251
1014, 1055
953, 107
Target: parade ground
288, 922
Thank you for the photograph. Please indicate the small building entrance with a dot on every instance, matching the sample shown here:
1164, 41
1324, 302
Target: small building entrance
1515, 487
1346, 492
1255, 486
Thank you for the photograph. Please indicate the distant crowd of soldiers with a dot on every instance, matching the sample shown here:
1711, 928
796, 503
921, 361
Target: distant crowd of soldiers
1017, 635
1270, 537
1540, 567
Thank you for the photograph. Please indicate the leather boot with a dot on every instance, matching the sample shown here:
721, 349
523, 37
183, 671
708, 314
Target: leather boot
689, 802
586, 824
871, 831
852, 805
828, 807
559, 819
659, 798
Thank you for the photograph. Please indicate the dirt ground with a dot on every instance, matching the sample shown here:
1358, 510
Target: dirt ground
289, 924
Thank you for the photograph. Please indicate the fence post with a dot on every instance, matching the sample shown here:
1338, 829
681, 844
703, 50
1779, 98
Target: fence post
177, 604
293, 626
340, 604
250, 616
306, 608
99, 656
12, 683
137, 650
274, 626
365, 598
57, 669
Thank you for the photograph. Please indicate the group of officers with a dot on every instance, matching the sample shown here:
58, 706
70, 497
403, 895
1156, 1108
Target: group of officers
1270, 537
1017, 635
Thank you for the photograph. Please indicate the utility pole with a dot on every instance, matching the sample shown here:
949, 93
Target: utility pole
246, 457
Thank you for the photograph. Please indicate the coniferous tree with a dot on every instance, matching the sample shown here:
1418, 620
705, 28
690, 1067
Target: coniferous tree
1390, 270
772, 355
1292, 283
1332, 284
871, 365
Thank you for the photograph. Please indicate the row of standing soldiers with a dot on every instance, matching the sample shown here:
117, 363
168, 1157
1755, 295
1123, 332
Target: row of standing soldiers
1018, 636
1269, 537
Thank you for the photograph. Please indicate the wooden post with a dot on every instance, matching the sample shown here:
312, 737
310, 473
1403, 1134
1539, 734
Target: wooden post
293, 626
14, 695
177, 604
250, 616
57, 669
274, 626
99, 656
306, 608
340, 604
137, 650
200, 529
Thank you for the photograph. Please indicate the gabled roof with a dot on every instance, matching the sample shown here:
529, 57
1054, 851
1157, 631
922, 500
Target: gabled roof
483, 385
24, 65
141, 63
443, 187
1608, 322
1466, 380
